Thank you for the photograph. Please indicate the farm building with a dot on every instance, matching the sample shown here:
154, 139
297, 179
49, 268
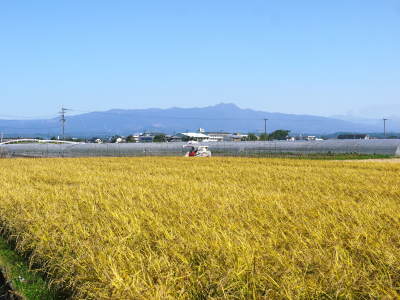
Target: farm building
353, 137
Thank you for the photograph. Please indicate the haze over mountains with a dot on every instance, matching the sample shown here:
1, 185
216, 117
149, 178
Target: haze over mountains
221, 117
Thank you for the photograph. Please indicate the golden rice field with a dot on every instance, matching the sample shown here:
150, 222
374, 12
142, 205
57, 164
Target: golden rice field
234, 228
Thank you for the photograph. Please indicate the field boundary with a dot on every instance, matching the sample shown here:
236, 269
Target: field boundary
17, 281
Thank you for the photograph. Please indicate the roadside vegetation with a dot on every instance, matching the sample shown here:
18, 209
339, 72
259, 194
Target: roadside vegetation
178, 228
18, 280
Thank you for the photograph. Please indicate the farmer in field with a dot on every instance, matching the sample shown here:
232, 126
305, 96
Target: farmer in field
192, 151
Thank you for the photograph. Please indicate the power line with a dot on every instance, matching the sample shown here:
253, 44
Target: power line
63, 120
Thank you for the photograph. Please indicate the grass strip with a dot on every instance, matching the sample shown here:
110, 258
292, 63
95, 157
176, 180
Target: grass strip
25, 283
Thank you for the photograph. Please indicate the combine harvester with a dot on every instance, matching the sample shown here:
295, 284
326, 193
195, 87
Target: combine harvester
196, 150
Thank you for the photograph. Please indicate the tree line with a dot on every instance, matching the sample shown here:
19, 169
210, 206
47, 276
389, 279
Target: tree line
279, 134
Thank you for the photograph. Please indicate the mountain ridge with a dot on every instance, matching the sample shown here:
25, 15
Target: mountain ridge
220, 117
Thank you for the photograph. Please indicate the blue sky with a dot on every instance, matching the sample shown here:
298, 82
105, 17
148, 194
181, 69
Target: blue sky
315, 57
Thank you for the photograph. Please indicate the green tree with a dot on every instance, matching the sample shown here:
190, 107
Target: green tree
252, 137
264, 137
160, 138
279, 134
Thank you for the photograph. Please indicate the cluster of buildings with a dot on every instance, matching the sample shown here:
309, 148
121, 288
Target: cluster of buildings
339, 137
202, 135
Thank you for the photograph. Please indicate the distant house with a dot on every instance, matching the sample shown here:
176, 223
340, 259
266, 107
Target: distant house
237, 137
173, 138
117, 139
353, 137
146, 138
220, 136
304, 138
132, 138
194, 136
312, 138
203, 136
217, 136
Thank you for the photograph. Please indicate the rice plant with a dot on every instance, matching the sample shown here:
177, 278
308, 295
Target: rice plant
234, 228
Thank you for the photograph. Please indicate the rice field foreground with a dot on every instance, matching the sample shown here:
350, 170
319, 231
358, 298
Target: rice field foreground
178, 228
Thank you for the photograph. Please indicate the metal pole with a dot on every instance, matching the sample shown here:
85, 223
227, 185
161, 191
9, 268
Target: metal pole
265, 128
62, 119
384, 127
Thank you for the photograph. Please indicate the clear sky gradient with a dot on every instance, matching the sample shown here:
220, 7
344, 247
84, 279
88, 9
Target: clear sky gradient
313, 57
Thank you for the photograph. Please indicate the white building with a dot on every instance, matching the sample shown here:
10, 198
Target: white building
196, 136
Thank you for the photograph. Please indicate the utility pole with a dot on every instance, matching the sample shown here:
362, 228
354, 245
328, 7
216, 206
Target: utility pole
265, 128
384, 127
62, 120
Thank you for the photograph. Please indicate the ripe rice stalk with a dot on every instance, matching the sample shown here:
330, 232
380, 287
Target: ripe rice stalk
235, 228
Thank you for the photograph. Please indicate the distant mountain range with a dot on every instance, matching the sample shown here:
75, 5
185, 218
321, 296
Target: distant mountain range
221, 117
